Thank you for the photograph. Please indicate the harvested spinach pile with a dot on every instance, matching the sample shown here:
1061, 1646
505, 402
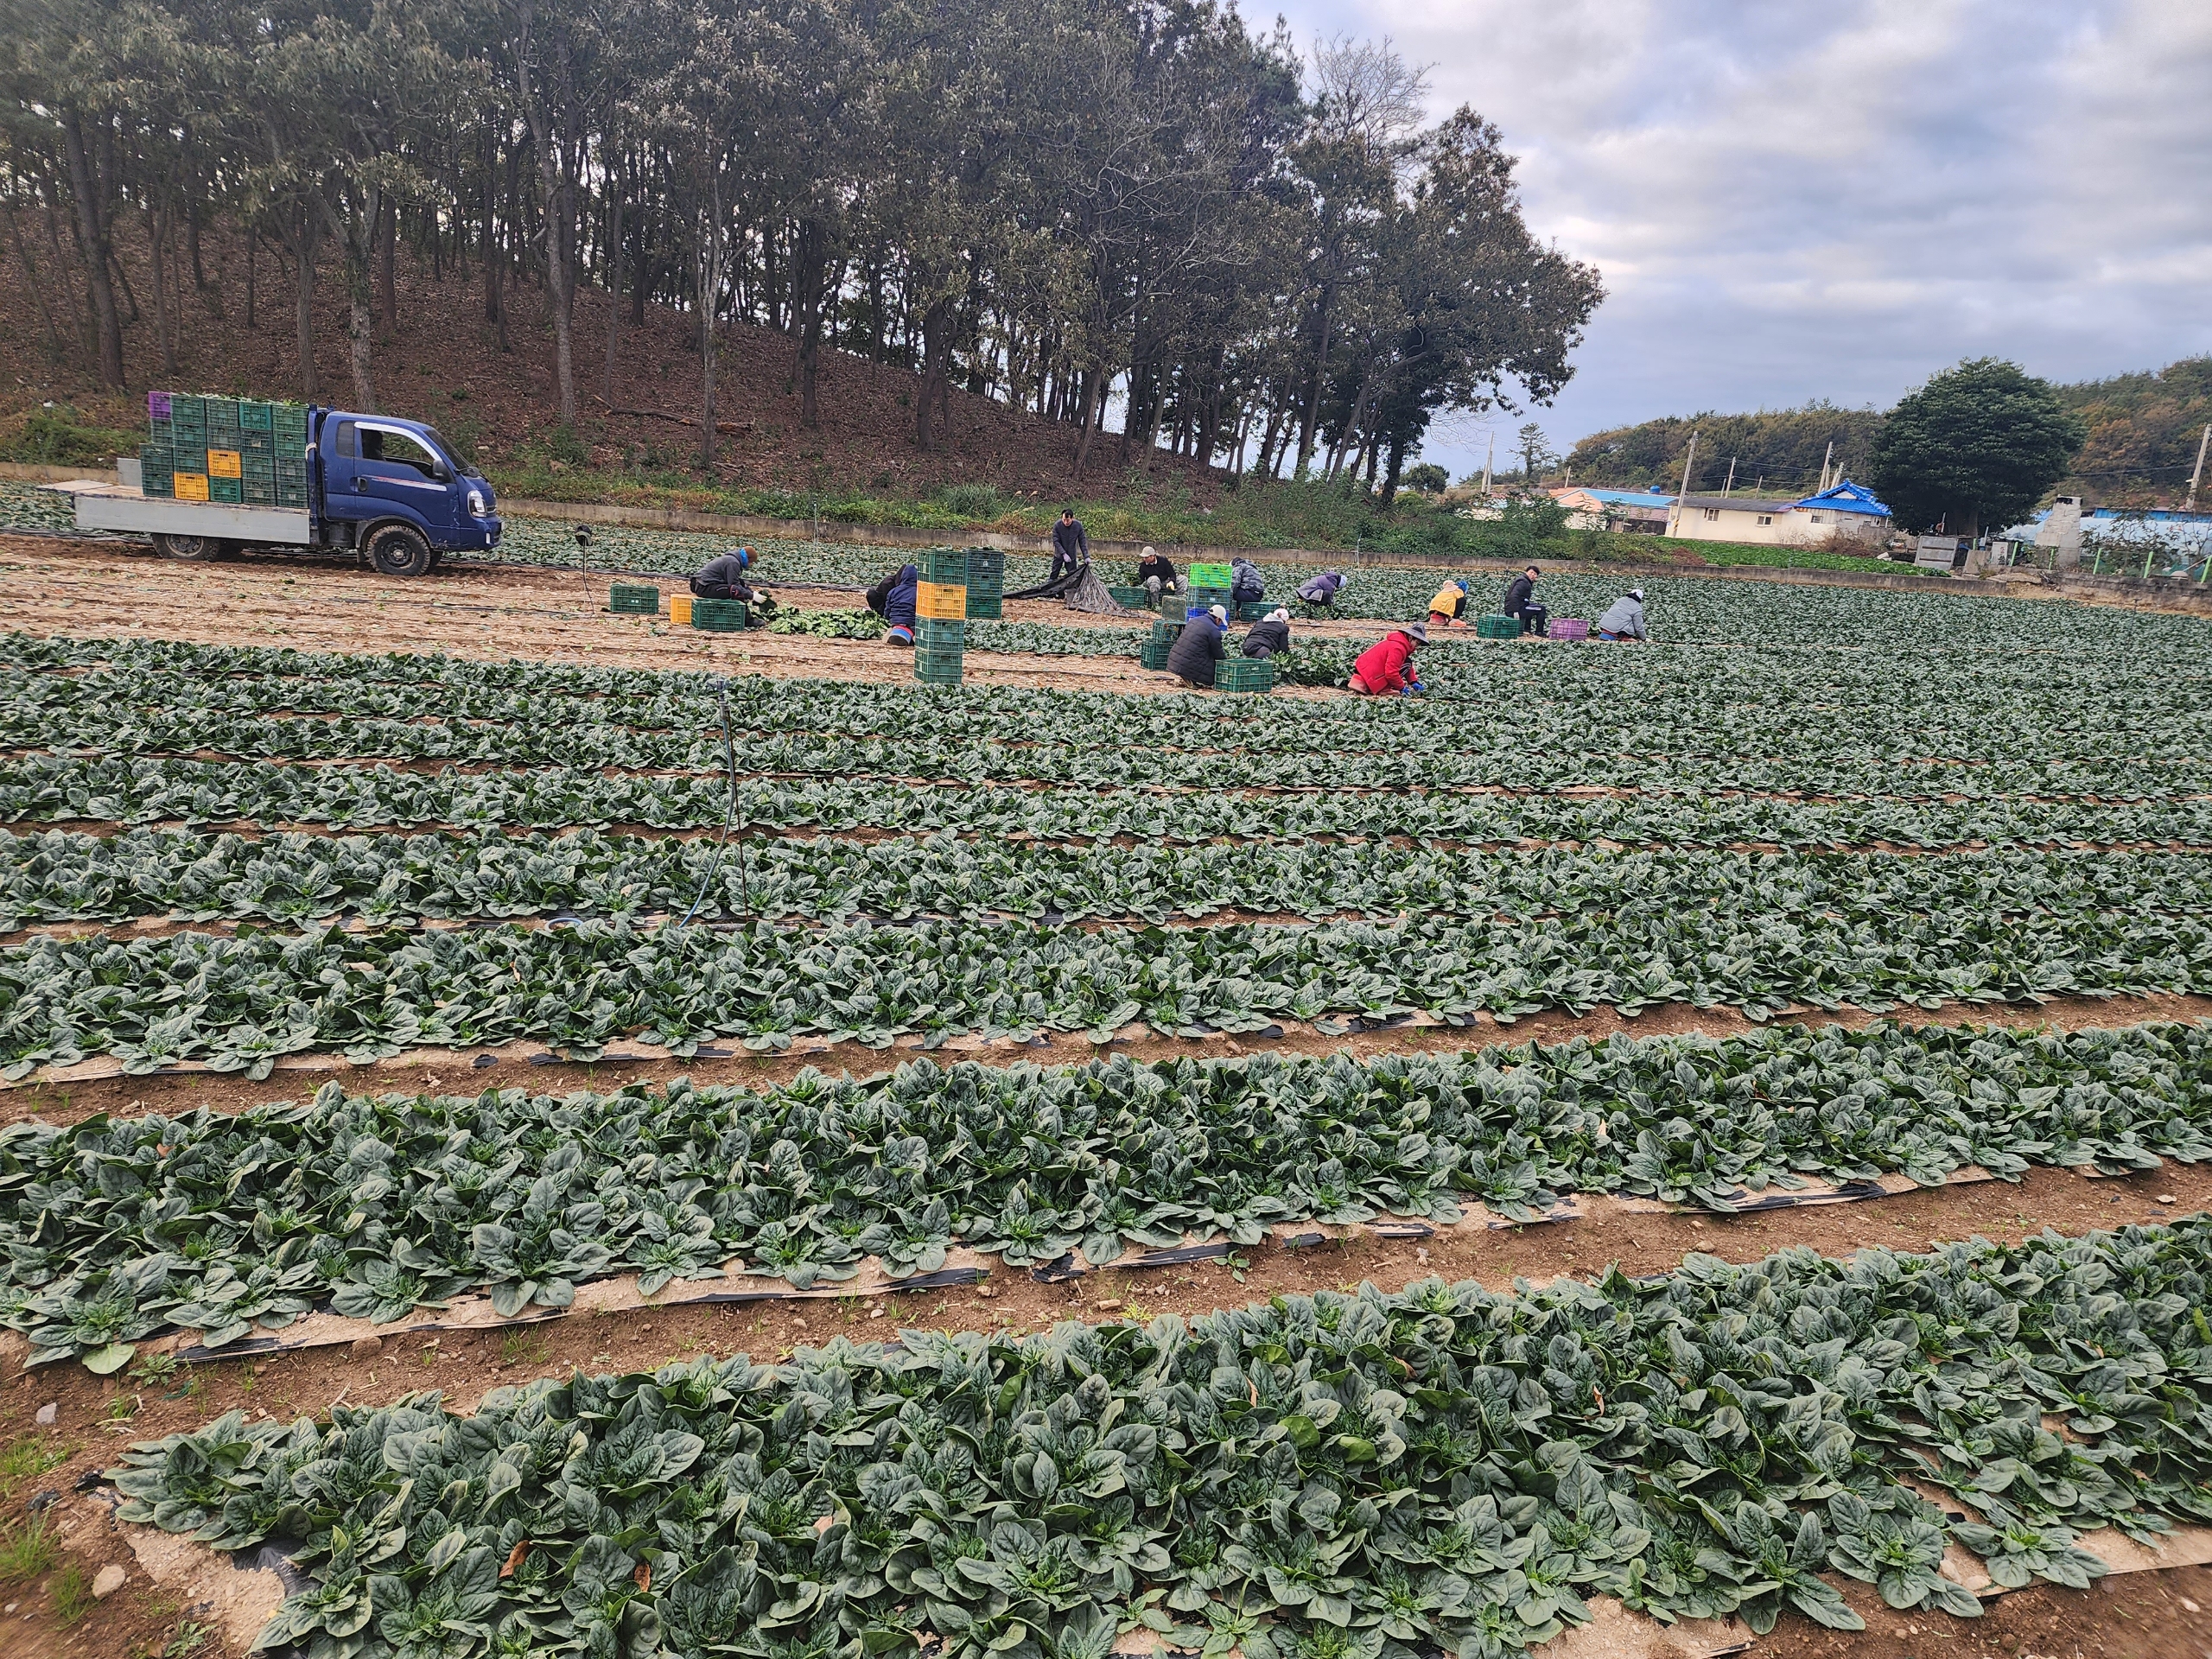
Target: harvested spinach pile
113, 1229
1362, 1474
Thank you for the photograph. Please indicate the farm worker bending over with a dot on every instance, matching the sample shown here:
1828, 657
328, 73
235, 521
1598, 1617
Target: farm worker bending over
1198, 648
1270, 638
1520, 602
892, 599
1449, 604
1156, 574
1244, 584
1071, 547
1388, 665
1623, 618
1322, 589
724, 577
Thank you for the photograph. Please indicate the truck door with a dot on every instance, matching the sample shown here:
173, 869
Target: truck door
393, 469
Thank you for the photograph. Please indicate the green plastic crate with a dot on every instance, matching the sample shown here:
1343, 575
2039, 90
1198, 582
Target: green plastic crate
1135, 599
1152, 653
228, 492
1252, 610
721, 615
947, 565
257, 417
933, 633
634, 599
1210, 575
1498, 628
1204, 598
1244, 674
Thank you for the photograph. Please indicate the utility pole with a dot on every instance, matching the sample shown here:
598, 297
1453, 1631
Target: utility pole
2204, 442
1731, 484
1487, 465
1825, 460
1689, 460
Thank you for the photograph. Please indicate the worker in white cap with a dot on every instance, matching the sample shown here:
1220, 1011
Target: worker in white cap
1623, 618
1198, 647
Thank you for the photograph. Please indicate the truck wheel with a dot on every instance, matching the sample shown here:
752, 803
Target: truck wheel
399, 550
187, 547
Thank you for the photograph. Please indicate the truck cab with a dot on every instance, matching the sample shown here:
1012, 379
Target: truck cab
395, 491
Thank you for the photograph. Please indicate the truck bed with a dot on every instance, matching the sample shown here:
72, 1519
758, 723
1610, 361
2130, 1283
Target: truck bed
103, 506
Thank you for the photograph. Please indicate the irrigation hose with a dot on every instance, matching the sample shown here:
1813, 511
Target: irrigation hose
729, 825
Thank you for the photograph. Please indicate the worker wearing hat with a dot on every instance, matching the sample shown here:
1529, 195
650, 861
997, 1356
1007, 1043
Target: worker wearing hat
1623, 618
1270, 636
1388, 665
1198, 647
1156, 575
724, 577
1449, 605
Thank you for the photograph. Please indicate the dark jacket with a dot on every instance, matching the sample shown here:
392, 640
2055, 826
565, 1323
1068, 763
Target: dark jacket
1518, 595
1266, 639
1195, 651
1069, 543
1244, 582
1159, 565
721, 578
1321, 589
892, 599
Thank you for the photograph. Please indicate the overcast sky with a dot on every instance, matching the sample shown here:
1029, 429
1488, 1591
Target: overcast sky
1791, 200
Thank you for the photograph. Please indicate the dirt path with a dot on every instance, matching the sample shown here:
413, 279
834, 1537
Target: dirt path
487, 612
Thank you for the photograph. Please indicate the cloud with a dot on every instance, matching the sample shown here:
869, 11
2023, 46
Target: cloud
1791, 201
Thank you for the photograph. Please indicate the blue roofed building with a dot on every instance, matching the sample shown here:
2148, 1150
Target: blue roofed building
1846, 509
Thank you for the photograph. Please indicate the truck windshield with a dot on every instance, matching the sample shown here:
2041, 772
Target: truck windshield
466, 468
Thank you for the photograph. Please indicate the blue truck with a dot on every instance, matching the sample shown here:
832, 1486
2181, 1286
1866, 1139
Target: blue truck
392, 491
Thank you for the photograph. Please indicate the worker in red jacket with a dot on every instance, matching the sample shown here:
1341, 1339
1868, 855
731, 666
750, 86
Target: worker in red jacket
1388, 665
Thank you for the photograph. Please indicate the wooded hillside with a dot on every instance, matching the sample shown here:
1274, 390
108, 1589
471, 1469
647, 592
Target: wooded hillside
1258, 259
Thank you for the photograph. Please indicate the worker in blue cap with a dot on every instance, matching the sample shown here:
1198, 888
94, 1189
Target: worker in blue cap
724, 577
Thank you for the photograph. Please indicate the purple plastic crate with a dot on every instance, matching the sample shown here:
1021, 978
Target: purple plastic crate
157, 405
1570, 627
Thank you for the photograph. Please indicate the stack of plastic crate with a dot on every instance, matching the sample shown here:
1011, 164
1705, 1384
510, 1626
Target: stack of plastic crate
257, 454
157, 455
226, 452
986, 580
941, 616
288, 428
188, 445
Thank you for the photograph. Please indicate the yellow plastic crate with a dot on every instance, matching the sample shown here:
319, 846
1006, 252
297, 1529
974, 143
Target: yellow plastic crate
223, 463
679, 609
190, 486
941, 601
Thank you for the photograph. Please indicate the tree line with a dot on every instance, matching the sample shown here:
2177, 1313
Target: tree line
1260, 259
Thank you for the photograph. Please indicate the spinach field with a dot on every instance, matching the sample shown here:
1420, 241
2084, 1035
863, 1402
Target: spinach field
1872, 862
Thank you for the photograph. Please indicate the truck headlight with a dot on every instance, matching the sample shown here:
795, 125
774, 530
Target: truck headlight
476, 504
